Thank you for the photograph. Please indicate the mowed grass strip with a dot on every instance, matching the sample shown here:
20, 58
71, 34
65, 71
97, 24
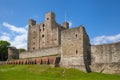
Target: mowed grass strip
44, 72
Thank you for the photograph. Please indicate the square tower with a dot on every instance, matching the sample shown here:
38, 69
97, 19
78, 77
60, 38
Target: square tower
75, 48
45, 34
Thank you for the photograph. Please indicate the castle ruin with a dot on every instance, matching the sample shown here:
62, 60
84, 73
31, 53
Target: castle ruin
68, 47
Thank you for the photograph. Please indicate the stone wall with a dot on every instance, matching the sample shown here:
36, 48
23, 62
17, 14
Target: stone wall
13, 53
105, 58
49, 60
41, 52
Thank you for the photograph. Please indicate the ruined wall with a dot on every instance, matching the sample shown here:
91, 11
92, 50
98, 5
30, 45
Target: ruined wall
72, 48
105, 58
13, 53
41, 52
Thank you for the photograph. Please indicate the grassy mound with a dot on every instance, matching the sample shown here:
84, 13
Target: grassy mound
38, 72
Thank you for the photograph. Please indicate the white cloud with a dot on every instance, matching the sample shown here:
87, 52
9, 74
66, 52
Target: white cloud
70, 24
14, 28
6, 38
18, 40
5, 33
105, 39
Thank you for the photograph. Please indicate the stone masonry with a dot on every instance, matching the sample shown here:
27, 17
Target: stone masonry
71, 47
106, 58
13, 53
44, 35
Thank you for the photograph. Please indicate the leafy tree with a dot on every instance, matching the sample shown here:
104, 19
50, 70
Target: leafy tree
22, 50
4, 50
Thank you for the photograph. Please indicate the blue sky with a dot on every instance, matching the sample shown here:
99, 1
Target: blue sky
101, 18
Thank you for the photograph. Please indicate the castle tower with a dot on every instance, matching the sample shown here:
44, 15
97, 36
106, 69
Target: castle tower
31, 23
50, 19
43, 35
75, 48
65, 25
51, 30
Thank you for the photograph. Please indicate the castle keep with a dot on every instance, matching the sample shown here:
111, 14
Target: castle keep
46, 34
52, 43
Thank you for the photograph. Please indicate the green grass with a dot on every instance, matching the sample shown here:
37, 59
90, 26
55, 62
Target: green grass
38, 72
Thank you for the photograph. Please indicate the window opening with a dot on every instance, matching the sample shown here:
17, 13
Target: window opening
47, 18
33, 31
33, 48
76, 35
43, 25
42, 35
76, 51
33, 42
33, 37
40, 30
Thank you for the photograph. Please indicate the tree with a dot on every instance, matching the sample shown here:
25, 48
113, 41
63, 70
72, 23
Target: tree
4, 50
22, 50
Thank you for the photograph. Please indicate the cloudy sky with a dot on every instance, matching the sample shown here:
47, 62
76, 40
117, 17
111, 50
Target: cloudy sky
101, 18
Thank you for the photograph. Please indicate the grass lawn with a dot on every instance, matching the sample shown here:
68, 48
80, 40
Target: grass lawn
38, 72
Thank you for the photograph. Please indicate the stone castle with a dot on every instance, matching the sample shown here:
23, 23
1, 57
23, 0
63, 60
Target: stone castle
52, 43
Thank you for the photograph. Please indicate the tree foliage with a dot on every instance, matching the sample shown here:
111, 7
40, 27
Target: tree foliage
4, 50
22, 50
